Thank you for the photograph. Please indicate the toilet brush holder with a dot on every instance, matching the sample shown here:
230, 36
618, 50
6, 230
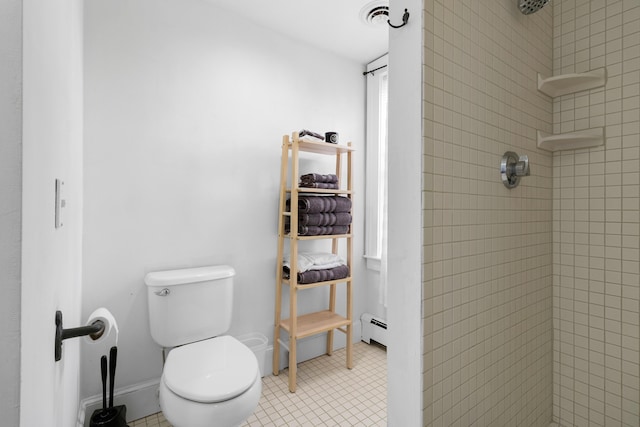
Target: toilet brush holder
113, 417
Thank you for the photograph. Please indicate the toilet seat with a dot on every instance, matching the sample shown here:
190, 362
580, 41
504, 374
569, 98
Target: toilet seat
212, 370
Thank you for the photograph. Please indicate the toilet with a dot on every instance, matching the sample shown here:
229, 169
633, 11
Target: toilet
208, 379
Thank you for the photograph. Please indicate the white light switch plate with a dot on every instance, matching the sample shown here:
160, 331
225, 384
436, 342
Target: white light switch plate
60, 203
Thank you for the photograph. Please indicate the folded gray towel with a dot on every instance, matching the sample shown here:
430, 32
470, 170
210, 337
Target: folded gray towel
316, 230
325, 219
318, 204
316, 177
314, 276
323, 185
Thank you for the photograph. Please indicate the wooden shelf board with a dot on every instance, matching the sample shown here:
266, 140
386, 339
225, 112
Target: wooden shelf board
321, 147
317, 284
315, 323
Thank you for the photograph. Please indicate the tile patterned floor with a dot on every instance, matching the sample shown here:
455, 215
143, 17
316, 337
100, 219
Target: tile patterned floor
328, 394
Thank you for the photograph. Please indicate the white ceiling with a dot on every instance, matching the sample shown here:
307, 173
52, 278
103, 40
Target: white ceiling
332, 25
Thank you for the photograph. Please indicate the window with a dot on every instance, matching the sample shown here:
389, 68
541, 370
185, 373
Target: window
376, 161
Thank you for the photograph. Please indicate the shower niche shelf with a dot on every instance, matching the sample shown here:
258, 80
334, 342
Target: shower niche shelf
565, 84
571, 141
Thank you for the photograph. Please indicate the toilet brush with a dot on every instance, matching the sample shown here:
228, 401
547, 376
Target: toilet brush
103, 368
111, 416
113, 356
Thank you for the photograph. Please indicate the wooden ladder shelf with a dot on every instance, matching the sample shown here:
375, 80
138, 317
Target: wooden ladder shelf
299, 326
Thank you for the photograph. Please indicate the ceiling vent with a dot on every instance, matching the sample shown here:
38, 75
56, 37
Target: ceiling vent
375, 13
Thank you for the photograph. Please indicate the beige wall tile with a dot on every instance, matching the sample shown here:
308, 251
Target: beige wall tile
492, 255
608, 306
488, 329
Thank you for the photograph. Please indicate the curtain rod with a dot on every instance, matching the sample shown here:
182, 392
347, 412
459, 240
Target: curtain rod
364, 73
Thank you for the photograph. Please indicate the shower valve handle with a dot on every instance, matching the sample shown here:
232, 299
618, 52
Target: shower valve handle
522, 167
513, 167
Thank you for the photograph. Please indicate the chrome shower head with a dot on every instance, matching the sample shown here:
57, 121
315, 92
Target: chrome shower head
531, 6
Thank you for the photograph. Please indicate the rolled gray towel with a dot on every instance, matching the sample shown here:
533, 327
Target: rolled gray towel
315, 230
318, 204
314, 276
325, 219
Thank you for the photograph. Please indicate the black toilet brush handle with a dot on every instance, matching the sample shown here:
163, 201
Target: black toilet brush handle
113, 356
103, 368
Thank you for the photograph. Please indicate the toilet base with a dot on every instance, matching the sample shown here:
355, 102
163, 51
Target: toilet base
181, 412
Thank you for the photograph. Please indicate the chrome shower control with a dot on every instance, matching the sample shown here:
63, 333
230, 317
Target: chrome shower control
512, 168
522, 167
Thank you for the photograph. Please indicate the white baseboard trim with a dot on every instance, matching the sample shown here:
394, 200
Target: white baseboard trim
141, 400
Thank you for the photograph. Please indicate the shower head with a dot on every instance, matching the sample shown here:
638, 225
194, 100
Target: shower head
531, 6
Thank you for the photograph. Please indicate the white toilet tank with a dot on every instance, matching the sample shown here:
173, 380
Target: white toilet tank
189, 305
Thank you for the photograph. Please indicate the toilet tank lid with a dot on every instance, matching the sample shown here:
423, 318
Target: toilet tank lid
188, 275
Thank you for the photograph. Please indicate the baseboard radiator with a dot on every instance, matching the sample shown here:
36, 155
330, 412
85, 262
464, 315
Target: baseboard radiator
374, 329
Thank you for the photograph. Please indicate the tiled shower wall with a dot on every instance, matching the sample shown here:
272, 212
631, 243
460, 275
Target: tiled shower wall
596, 232
488, 330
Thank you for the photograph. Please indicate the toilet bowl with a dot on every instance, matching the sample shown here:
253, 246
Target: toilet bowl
215, 382
209, 379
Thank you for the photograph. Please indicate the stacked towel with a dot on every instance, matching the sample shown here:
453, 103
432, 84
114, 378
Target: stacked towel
317, 177
322, 204
321, 185
316, 180
314, 261
313, 276
315, 230
321, 215
316, 267
325, 218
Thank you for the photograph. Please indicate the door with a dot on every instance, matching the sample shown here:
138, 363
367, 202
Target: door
51, 256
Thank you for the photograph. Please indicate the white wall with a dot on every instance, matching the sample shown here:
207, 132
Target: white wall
404, 404
185, 108
51, 258
10, 211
